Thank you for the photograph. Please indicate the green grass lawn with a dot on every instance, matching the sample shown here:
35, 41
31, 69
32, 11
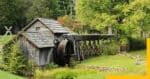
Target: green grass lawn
6, 75
142, 53
110, 61
116, 60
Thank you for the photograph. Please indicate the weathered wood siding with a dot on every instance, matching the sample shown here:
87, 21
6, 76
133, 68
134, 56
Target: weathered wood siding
45, 56
30, 51
38, 56
37, 24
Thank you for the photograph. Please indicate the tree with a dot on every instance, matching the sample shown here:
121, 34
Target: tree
48, 9
133, 14
123, 15
67, 7
43, 8
11, 14
95, 13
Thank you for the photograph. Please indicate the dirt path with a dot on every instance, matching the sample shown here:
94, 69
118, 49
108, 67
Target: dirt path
138, 60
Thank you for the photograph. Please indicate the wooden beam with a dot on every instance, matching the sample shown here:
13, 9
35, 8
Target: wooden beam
87, 37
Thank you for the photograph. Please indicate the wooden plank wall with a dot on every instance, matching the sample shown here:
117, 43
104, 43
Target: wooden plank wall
30, 51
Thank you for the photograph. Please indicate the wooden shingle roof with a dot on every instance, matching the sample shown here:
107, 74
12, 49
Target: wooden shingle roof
41, 40
53, 25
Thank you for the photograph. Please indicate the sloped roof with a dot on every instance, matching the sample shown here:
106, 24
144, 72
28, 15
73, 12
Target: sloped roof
53, 25
41, 40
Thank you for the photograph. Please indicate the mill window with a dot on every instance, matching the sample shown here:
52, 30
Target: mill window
37, 28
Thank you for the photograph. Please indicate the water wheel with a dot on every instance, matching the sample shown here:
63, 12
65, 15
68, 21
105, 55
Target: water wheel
64, 51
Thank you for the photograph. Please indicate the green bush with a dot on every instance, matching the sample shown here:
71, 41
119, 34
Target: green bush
137, 43
123, 41
73, 62
14, 60
110, 49
66, 75
52, 66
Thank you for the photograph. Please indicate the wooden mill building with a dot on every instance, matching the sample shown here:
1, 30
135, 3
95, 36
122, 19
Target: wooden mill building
39, 38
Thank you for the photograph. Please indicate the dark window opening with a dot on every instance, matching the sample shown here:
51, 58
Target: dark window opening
37, 28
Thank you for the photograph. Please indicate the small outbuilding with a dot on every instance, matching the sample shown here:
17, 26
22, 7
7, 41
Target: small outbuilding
38, 40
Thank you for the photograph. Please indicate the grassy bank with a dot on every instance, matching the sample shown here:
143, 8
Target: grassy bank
80, 72
6, 75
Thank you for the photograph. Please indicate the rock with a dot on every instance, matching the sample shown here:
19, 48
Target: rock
106, 68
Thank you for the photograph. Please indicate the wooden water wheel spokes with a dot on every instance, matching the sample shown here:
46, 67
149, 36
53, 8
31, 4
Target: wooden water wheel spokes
64, 51
85, 46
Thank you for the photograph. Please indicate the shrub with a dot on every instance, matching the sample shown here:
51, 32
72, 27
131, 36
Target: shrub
66, 75
73, 62
124, 42
14, 60
137, 43
110, 49
49, 74
52, 66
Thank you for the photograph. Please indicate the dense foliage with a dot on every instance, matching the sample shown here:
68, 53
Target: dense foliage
15, 62
11, 14
43, 8
124, 14
137, 43
128, 18
18, 13
110, 49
